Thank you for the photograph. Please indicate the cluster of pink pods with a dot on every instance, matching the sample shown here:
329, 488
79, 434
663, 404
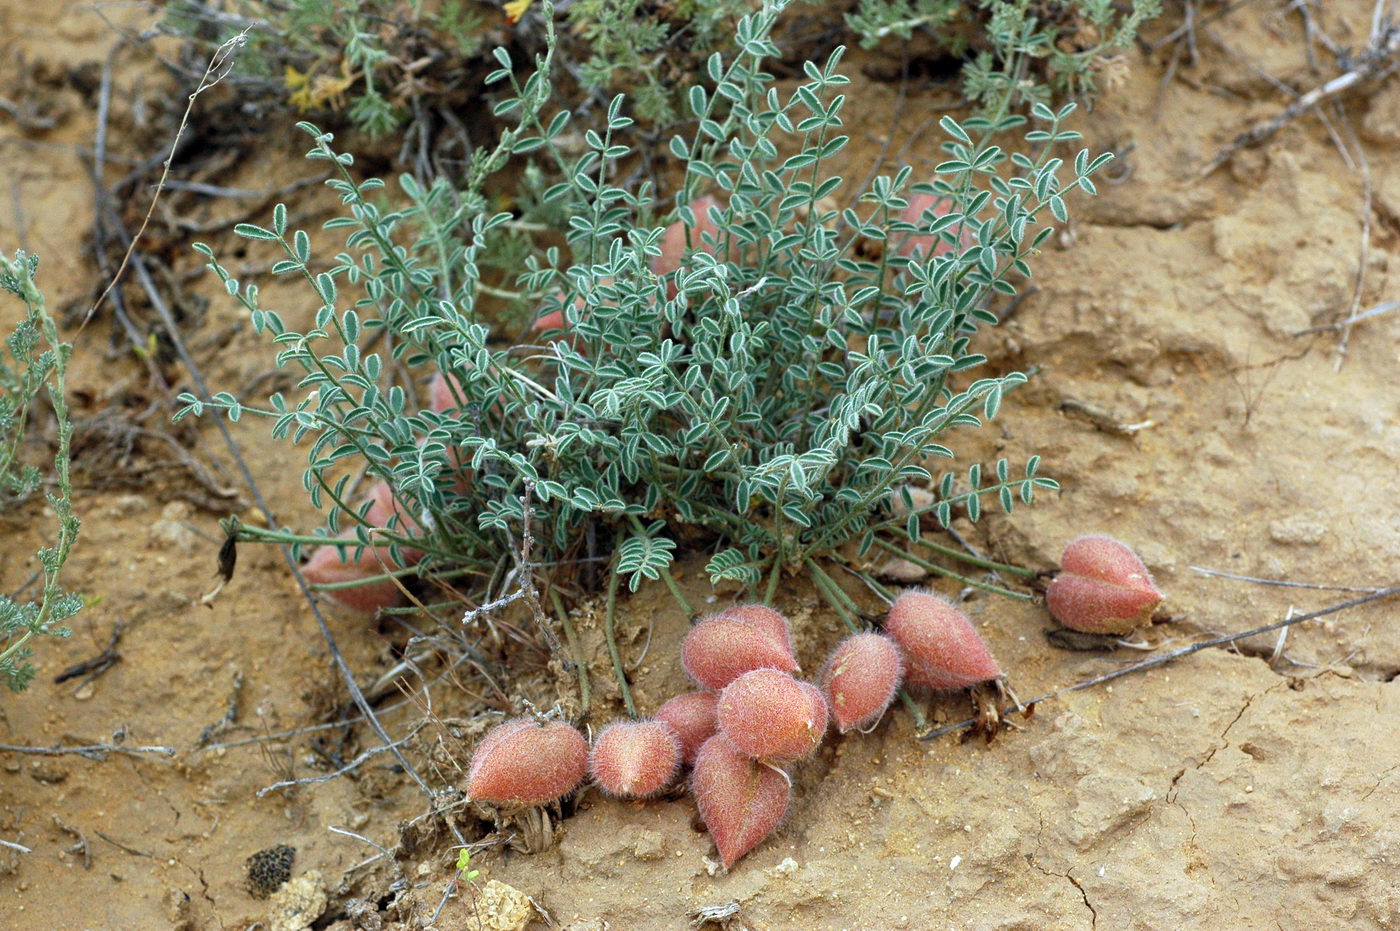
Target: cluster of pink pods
748, 723
751, 719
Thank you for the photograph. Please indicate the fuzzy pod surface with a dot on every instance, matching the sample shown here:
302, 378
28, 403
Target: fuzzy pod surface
1102, 587
740, 800
673, 241
523, 762
769, 715
718, 650
942, 650
385, 510
772, 622
927, 246
326, 565
692, 717
635, 759
860, 679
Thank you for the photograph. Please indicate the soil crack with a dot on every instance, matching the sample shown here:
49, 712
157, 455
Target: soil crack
1093, 912
1034, 860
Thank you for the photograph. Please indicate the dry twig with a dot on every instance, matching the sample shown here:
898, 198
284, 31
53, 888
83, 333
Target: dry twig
1163, 658
1376, 61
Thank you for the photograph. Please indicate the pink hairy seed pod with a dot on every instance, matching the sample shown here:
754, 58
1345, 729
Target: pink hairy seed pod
860, 679
740, 800
443, 392
927, 246
764, 618
771, 716
1102, 588
635, 759
326, 565
692, 717
385, 509
941, 648
522, 762
720, 649
673, 241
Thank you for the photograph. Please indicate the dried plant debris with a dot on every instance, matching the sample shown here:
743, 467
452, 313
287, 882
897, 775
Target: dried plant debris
269, 869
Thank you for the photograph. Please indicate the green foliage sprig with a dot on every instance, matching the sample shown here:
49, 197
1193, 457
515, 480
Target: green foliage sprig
769, 399
26, 370
1019, 52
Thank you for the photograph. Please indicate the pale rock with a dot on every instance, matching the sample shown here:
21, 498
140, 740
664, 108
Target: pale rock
898, 569
297, 905
1381, 124
503, 907
1298, 530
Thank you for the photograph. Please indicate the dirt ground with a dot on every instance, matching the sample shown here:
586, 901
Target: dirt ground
1175, 402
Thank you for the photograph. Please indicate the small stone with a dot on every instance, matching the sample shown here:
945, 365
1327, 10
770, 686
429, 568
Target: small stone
297, 905
897, 569
173, 534
503, 908
650, 845
1298, 530
1381, 124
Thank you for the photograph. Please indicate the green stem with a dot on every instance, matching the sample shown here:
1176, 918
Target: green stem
976, 560
611, 635
665, 573
949, 573
845, 608
62, 502
771, 591
865, 577
580, 661
386, 576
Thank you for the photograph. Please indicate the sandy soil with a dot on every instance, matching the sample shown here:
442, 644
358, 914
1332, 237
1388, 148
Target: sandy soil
1222, 791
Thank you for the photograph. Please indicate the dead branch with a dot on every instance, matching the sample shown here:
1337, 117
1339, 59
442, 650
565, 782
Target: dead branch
1376, 61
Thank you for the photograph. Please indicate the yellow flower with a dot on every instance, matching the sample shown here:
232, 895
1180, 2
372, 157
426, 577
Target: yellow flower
516, 9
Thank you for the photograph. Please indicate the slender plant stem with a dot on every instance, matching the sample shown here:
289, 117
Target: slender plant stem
771, 591
866, 578
62, 502
976, 560
580, 661
676, 594
949, 573
611, 634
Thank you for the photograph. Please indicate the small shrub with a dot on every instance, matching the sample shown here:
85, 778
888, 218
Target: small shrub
26, 370
776, 407
1018, 52
382, 62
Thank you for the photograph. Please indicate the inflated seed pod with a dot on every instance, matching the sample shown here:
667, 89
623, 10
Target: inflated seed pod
635, 759
771, 716
718, 650
860, 679
1102, 588
692, 717
523, 762
740, 800
941, 648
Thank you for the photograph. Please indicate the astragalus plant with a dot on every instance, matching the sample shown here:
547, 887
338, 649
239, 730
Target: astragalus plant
34, 364
768, 397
